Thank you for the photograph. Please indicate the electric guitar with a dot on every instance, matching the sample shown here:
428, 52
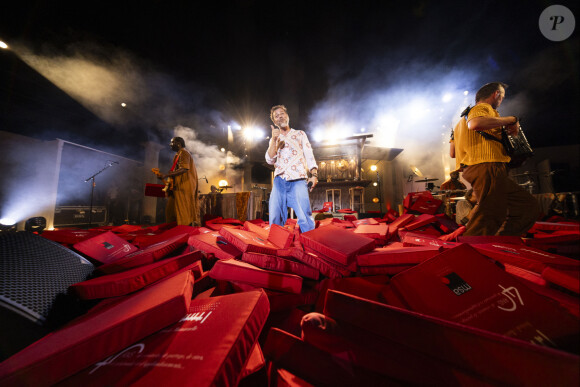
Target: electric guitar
168, 181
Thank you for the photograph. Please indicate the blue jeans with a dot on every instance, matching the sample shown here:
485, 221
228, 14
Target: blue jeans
291, 194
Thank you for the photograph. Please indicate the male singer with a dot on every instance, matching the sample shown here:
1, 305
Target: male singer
290, 152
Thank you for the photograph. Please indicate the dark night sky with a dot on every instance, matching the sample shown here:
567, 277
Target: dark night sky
207, 64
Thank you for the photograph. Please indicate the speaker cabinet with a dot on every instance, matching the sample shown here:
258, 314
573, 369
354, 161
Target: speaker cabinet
35, 274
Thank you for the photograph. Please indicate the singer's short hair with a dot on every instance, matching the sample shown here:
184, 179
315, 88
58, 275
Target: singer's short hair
180, 140
488, 89
274, 108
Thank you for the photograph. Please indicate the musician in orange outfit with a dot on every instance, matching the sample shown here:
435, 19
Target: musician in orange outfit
182, 202
504, 207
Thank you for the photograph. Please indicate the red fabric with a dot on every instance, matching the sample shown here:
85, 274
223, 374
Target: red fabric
372, 352
263, 229
248, 242
232, 270
316, 261
105, 248
366, 287
147, 240
212, 242
120, 284
549, 226
401, 221
155, 190
343, 269
338, 244
126, 228
412, 197
426, 205
501, 360
483, 239
445, 223
568, 279
526, 257
556, 237
525, 275
374, 231
420, 221
464, 286
99, 334
387, 256
350, 218
281, 301
255, 361
281, 236
314, 365
272, 262
385, 269
148, 255
359, 222
414, 239
454, 235
210, 346
70, 236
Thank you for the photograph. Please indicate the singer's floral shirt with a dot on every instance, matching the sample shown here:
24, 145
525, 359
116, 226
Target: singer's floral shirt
295, 159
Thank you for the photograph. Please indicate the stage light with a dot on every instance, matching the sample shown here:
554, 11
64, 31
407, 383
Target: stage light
375, 184
447, 97
223, 183
465, 92
223, 149
7, 221
373, 168
123, 104
375, 200
3, 45
7, 225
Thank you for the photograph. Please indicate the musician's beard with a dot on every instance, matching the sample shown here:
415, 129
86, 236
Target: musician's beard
283, 125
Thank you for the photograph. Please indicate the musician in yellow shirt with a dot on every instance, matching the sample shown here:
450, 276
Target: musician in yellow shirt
504, 208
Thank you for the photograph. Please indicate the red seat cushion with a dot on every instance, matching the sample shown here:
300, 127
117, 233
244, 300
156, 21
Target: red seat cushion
212, 242
100, 333
526, 257
70, 236
387, 256
148, 255
316, 261
262, 229
147, 240
464, 286
210, 346
281, 236
232, 270
119, 284
336, 243
568, 279
106, 247
506, 360
272, 262
249, 242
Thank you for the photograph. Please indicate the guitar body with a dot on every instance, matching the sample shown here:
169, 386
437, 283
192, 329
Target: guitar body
168, 181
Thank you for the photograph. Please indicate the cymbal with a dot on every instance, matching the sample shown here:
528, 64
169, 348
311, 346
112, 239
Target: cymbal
424, 180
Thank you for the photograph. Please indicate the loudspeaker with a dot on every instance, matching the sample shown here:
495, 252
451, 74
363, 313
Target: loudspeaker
35, 274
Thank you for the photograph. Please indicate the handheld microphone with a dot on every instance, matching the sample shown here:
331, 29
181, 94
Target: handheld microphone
207, 182
309, 185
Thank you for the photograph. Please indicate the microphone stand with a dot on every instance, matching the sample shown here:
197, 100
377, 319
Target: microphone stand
108, 165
